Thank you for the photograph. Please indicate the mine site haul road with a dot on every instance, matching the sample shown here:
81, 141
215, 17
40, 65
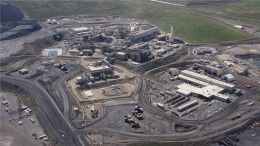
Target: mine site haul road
58, 124
54, 120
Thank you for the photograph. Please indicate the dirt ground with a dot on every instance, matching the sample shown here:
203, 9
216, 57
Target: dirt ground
97, 93
123, 73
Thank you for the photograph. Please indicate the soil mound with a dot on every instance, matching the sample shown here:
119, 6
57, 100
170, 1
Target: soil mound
9, 12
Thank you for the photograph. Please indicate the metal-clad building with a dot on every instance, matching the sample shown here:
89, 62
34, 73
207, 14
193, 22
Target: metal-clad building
120, 56
213, 70
207, 79
143, 34
187, 105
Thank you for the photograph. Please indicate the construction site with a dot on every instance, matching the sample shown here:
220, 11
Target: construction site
133, 41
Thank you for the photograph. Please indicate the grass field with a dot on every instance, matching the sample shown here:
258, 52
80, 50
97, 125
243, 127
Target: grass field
247, 11
248, 5
200, 2
186, 22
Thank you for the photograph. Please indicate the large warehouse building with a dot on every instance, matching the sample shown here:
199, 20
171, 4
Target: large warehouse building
208, 92
207, 79
203, 86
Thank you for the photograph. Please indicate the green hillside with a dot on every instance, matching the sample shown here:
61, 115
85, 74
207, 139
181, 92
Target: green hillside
186, 22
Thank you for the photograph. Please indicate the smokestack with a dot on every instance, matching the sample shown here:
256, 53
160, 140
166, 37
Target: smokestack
171, 30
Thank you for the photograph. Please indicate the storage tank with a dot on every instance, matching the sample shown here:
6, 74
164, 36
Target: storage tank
49, 21
54, 21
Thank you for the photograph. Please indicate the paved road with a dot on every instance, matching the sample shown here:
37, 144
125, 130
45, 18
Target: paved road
54, 121
168, 3
61, 87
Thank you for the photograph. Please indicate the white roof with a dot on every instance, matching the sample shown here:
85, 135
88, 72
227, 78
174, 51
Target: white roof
192, 80
88, 93
159, 51
24, 70
222, 96
207, 79
229, 76
229, 63
93, 68
184, 92
120, 53
74, 50
159, 104
79, 78
80, 28
174, 69
239, 26
207, 91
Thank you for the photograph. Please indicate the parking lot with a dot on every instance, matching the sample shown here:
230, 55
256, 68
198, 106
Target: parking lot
19, 125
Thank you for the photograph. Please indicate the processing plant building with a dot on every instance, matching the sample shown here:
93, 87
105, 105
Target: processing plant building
100, 70
208, 92
207, 79
144, 34
213, 70
203, 86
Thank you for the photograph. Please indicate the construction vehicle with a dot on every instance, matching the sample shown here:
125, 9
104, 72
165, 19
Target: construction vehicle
236, 117
256, 124
128, 118
134, 123
32, 120
130, 121
139, 109
134, 112
251, 104
5, 102
42, 136
139, 116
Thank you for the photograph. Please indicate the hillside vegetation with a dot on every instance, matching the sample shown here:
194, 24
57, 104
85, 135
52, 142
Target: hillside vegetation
247, 11
202, 2
187, 23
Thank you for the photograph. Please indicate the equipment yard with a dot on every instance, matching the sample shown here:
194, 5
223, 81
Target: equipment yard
19, 123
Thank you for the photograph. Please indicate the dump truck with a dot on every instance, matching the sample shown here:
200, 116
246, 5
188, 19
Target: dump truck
32, 120
139, 109
134, 123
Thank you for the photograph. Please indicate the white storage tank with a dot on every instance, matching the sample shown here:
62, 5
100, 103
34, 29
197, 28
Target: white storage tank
49, 21
54, 21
